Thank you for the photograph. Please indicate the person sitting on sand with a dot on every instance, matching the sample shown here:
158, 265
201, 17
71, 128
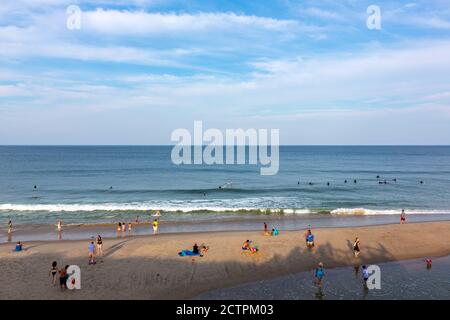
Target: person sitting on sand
203, 249
319, 273
403, 217
92, 253
195, 249
356, 249
248, 247
19, 247
274, 232
53, 272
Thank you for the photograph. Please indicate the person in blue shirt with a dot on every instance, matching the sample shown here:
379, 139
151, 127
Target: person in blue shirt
92, 253
19, 247
319, 274
309, 239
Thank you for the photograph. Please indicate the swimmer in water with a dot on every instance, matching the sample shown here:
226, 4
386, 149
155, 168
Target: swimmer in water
328, 183
354, 181
345, 181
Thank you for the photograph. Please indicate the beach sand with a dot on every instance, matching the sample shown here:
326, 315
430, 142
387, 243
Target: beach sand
148, 267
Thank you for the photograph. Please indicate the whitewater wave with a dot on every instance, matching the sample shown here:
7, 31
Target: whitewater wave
181, 207
371, 212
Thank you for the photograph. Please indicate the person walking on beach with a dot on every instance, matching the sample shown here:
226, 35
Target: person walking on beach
356, 249
53, 272
365, 274
403, 217
99, 242
155, 226
319, 273
92, 253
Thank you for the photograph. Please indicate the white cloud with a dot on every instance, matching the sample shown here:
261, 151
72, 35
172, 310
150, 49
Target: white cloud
140, 22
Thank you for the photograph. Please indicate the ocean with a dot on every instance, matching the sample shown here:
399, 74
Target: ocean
106, 184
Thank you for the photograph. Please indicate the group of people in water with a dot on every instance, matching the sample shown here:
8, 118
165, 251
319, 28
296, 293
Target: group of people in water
379, 179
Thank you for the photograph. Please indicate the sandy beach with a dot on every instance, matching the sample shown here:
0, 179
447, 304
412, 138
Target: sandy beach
148, 267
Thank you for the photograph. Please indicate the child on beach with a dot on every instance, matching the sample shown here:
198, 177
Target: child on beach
365, 274
248, 247
155, 226
309, 239
19, 247
92, 253
356, 249
319, 273
274, 232
63, 277
53, 271
99, 242
403, 217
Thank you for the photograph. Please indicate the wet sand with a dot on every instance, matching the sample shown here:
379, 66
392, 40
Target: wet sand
32, 232
148, 267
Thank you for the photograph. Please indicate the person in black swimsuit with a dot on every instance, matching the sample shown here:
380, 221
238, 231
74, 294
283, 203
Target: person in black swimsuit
53, 271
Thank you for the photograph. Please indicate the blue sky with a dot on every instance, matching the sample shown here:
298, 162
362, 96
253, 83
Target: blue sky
139, 69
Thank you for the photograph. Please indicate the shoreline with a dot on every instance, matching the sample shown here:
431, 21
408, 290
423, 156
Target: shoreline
148, 267
85, 231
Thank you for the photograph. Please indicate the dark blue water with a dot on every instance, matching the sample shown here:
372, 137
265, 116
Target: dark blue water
73, 183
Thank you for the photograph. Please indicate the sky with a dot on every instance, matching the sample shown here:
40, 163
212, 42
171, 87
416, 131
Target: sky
137, 70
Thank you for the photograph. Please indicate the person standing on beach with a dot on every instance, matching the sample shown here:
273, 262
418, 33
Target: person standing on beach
63, 277
92, 253
319, 273
53, 271
266, 230
129, 228
119, 229
99, 241
403, 217
155, 226
124, 227
59, 225
356, 249
10, 227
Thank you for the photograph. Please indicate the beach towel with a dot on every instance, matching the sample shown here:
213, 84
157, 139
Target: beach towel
184, 253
